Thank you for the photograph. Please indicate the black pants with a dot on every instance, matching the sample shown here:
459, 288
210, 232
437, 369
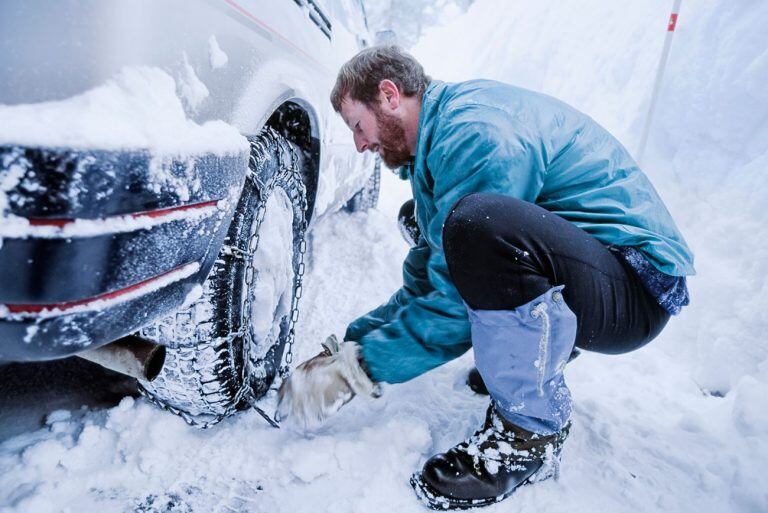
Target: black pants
502, 253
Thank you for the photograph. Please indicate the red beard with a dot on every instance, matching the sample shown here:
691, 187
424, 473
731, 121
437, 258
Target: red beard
393, 148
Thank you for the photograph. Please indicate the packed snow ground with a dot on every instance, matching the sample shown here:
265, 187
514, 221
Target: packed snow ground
648, 435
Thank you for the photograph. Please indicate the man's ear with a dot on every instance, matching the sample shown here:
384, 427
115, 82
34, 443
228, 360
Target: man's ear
390, 95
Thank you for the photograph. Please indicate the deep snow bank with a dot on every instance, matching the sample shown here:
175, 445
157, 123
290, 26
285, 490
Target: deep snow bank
710, 145
592, 54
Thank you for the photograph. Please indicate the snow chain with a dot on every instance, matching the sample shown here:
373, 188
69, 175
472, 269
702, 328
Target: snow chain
250, 368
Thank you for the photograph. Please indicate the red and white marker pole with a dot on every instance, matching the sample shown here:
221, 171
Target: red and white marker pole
659, 76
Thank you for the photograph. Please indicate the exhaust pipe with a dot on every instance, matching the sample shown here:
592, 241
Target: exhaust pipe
131, 355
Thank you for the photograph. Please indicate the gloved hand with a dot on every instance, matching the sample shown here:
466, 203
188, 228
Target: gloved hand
323, 384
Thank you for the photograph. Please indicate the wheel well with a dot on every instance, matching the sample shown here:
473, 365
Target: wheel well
293, 121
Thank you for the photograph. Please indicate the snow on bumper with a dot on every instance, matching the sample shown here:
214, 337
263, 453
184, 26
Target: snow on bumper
95, 244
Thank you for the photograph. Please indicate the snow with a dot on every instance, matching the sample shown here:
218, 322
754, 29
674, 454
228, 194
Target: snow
137, 109
274, 252
30, 332
680, 425
192, 90
8, 181
192, 296
217, 57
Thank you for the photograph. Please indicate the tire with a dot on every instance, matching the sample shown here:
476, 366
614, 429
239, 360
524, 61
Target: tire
367, 197
219, 359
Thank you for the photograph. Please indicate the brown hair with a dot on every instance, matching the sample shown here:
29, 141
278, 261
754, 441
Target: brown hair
359, 77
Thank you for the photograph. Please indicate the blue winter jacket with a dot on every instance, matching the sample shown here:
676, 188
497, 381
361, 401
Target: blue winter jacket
485, 136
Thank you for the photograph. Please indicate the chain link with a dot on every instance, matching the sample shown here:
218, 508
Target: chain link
249, 368
292, 182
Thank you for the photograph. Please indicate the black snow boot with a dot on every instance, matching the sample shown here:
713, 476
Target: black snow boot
476, 383
488, 466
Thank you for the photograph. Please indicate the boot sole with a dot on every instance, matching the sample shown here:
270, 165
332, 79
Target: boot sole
436, 501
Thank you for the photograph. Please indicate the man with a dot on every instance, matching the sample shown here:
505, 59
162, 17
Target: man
538, 234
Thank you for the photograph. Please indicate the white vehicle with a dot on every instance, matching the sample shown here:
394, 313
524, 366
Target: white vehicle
129, 210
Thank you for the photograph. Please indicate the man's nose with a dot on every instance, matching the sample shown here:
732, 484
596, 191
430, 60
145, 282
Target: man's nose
361, 143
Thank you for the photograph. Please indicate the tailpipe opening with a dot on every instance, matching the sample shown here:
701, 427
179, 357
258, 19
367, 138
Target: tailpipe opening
131, 355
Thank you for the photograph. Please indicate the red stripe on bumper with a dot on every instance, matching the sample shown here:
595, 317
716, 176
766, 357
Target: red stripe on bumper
62, 222
68, 305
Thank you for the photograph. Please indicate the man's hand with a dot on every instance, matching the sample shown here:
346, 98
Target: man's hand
323, 384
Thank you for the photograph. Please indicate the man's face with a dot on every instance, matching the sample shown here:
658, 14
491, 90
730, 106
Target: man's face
376, 130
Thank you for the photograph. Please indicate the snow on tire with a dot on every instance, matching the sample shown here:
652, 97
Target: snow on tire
226, 347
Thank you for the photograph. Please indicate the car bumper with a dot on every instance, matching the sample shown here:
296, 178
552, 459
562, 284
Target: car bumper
95, 245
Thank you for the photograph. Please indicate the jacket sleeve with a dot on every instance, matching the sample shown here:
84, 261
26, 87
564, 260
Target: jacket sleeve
479, 149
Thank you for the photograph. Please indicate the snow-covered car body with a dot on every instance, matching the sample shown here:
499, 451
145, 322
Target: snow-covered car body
102, 233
